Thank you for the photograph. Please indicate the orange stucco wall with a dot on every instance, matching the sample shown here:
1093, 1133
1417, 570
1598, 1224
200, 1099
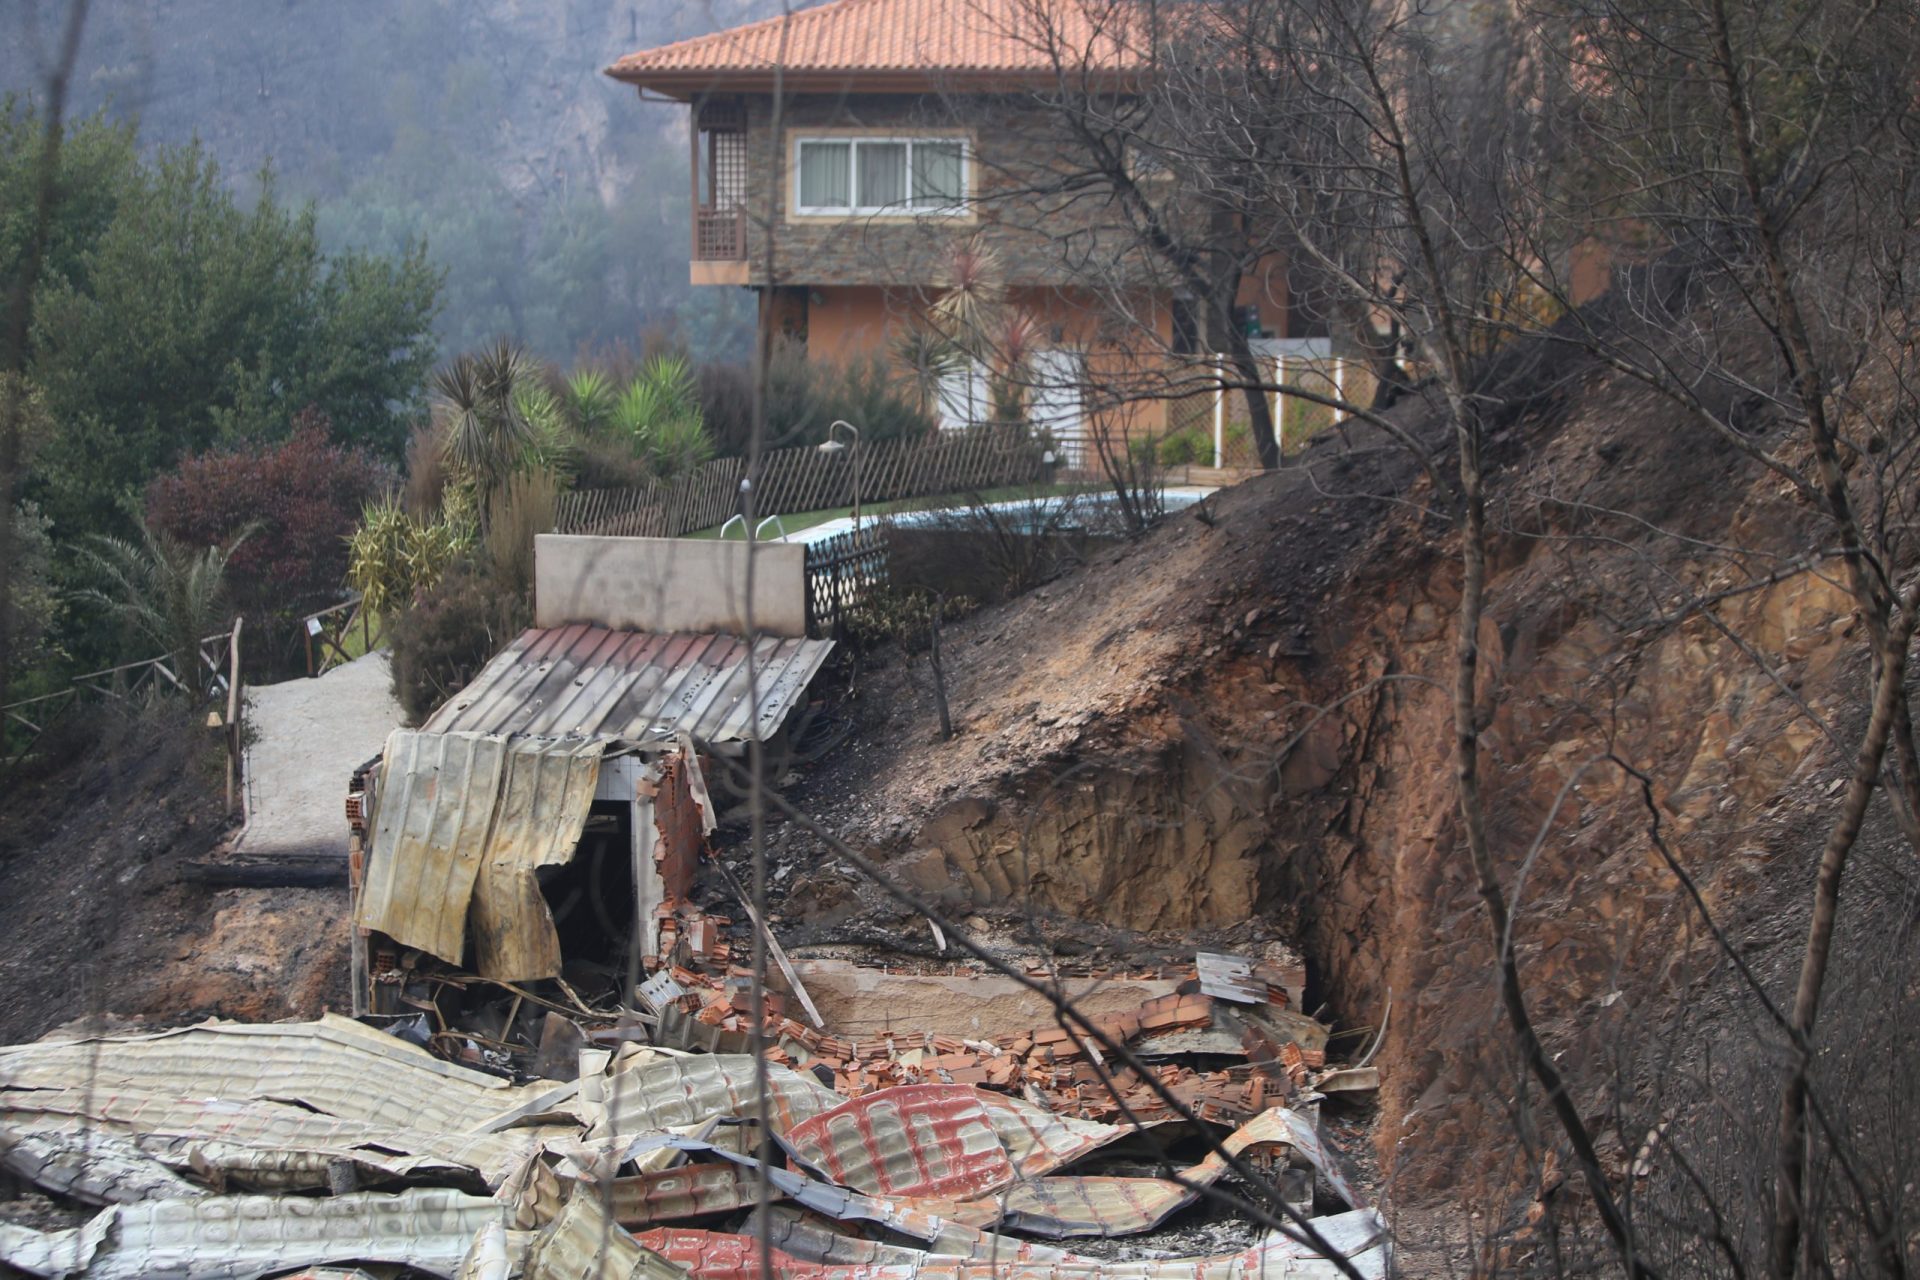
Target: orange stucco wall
854, 321
849, 322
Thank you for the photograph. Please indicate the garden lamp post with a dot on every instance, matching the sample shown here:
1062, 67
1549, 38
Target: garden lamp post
832, 446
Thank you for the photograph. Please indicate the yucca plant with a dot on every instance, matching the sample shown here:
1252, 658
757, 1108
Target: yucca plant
170, 594
551, 448
658, 413
588, 397
391, 556
485, 433
678, 445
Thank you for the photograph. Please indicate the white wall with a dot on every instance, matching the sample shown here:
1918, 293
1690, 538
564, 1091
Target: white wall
668, 584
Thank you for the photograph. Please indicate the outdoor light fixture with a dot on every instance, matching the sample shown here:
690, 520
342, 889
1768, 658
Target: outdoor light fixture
831, 446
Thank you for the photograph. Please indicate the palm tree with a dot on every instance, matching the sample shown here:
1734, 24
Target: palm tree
169, 593
486, 432
928, 359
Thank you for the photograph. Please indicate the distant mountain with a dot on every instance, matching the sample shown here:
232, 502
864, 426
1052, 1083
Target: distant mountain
553, 198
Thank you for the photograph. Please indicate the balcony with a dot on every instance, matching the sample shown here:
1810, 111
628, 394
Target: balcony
720, 235
719, 246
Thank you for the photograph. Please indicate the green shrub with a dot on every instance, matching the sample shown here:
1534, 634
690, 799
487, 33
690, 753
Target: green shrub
804, 398
1185, 448
892, 615
451, 631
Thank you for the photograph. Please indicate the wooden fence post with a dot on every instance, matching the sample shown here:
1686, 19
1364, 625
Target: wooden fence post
233, 712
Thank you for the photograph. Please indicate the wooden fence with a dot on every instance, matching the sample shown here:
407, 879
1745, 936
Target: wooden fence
329, 633
805, 479
213, 678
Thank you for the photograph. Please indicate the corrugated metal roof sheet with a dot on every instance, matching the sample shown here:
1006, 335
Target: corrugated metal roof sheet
334, 1065
1037, 1141
684, 1091
427, 1229
850, 37
544, 802
583, 1243
911, 1140
462, 820
709, 1255
629, 686
434, 805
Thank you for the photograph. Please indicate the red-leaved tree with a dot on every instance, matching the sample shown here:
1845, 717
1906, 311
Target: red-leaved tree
301, 497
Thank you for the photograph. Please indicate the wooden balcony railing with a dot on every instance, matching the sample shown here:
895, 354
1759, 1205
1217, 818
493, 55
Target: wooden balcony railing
719, 235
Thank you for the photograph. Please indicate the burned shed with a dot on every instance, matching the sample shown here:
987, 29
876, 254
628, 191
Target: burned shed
555, 809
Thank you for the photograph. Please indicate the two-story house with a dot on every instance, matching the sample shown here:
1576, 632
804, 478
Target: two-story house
840, 155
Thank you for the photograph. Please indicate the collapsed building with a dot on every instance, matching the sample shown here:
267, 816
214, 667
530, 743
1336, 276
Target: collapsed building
552, 1073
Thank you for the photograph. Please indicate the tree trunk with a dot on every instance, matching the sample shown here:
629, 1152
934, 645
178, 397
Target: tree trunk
1246, 367
1789, 1187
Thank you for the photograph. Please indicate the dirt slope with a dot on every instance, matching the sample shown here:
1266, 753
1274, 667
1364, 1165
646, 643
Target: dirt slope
94, 919
1248, 718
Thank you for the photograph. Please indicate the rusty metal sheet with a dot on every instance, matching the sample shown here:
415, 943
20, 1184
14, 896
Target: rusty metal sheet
689, 1191
633, 687
333, 1065
1108, 1206
707, 1255
811, 1238
461, 823
683, 1091
943, 1235
584, 1243
542, 808
433, 808
1304, 1137
910, 1140
258, 1235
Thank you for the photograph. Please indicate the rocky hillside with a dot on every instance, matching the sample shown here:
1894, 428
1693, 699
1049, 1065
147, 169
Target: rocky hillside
1244, 723
543, 189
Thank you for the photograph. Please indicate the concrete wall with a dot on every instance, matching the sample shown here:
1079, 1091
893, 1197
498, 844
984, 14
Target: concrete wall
668, 584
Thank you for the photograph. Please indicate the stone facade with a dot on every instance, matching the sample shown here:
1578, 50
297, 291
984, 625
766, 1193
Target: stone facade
1011, 163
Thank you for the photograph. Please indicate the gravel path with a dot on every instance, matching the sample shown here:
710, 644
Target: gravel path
309, 737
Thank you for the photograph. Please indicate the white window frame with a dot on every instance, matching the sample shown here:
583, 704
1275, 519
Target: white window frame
906, 208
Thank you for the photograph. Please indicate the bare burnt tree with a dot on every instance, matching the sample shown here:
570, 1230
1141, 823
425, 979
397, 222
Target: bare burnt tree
1753, 172
1161, 243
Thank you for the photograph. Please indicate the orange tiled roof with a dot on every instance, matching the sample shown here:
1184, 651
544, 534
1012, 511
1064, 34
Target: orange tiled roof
898, 40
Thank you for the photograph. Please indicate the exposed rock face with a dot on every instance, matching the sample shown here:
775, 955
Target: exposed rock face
1254, 715
1170, 845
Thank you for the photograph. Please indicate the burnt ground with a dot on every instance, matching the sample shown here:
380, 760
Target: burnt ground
1197, 737
95, 918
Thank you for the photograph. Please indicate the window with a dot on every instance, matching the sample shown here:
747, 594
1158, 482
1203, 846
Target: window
880, 175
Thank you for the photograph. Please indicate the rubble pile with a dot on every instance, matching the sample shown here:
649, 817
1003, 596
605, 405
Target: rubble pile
1058, 1067
230, 1149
